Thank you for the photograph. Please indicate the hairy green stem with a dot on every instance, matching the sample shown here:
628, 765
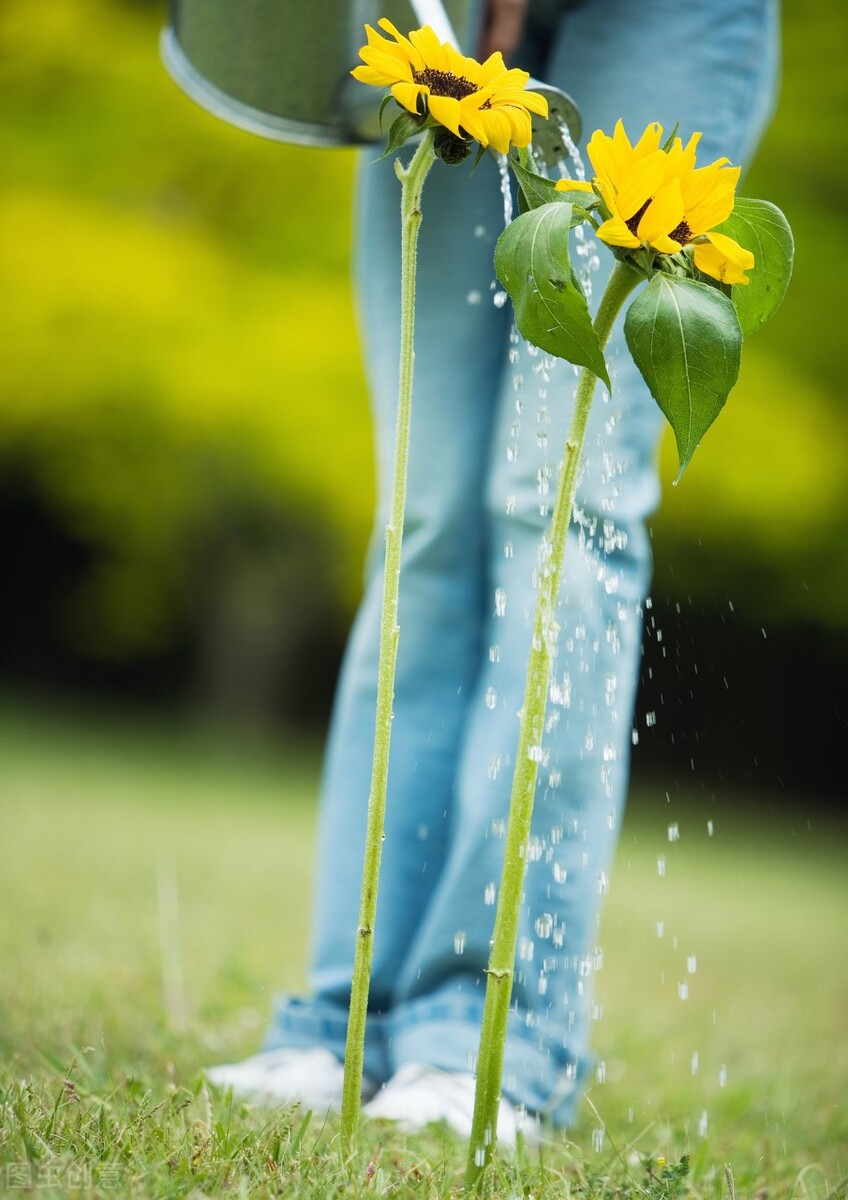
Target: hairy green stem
507, 917
412, 182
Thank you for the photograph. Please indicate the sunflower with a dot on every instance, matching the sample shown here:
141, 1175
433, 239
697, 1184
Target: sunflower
485, 101
654, 196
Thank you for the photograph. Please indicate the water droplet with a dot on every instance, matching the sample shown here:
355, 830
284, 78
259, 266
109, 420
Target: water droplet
500, 602
543, 985
602, 883
494, 766
674, 832
634, 737
489, 893
601, 1071
526, 946
474, 297
722, 1076
710, 828
459, 941
480, 1156
694, 1063
703, 1125
494, 654
661, 865
479, 231
660, 929
535, 753
598, 1136
691, 964
499, 299
650, 719
560, 873
683, 990
544, 925
509, 549
491, 697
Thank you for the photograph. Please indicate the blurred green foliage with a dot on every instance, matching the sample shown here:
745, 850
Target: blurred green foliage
179, 341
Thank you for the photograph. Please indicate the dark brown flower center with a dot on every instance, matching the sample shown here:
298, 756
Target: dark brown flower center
444, 83
681, 233
633, 222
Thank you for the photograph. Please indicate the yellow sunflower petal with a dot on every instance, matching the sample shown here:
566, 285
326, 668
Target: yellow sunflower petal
602, 155
408, 95
369, 75
493, 68
389, 68
464, 68
574, 185
446, 111
709, 199
500, 129
403, 45
615, 233
648, 142
640, 182
519, 123
430, 48
723, 258
684, 159
516, 78
663, 214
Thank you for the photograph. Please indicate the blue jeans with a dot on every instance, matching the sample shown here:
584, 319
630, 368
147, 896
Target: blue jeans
489, 422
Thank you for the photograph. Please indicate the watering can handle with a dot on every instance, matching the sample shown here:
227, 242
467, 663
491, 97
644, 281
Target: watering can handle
432, 13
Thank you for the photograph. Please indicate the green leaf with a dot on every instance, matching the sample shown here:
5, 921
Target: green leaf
538, 190
686, 340
763, 229
532, 263
401, 130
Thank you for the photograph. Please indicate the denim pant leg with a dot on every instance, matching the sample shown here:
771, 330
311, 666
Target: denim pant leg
460, 350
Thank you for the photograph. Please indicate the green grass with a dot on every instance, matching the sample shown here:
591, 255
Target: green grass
155, 894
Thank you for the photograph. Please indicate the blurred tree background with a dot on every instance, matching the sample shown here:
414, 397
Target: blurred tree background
185, 450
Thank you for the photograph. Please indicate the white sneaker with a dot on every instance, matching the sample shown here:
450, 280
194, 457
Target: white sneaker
420, 1094
312, 1078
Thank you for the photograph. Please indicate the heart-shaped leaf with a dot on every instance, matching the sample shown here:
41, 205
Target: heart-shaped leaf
763, 229
532, 262
686, 340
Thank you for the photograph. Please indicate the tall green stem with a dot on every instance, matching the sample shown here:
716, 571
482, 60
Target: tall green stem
507, 917
412, 182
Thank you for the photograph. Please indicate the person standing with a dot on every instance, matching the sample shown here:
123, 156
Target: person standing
490, 416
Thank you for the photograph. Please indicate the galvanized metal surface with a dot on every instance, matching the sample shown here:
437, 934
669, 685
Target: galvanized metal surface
281, 68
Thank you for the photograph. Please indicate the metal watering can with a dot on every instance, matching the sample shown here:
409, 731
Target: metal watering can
281, 68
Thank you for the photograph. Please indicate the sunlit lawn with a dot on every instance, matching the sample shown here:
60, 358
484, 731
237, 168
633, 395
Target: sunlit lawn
155, 888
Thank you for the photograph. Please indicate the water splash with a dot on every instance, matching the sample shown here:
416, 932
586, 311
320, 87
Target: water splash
506, 188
